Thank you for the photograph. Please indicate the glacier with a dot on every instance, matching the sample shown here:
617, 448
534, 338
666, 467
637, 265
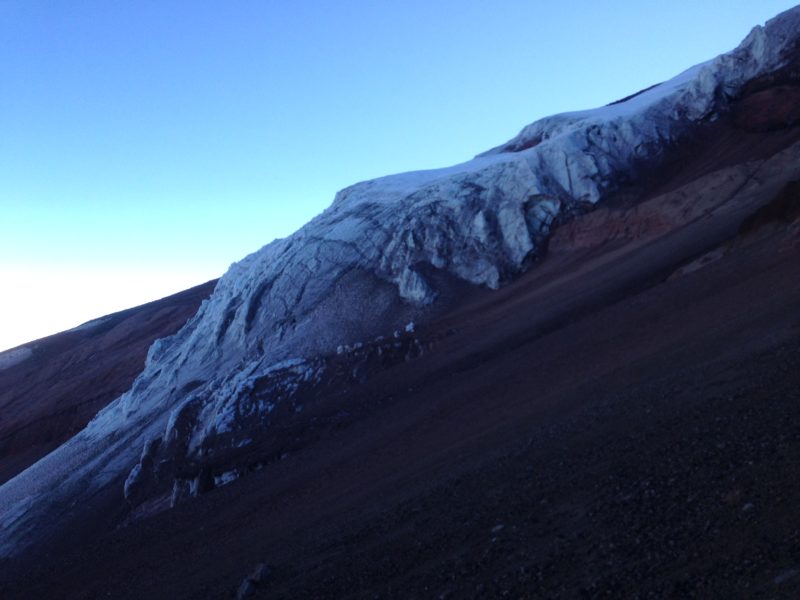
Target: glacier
380, 257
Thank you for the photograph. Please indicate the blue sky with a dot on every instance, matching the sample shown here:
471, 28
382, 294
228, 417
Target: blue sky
146, 145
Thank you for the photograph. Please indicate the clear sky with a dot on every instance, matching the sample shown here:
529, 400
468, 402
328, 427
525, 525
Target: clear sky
145, 145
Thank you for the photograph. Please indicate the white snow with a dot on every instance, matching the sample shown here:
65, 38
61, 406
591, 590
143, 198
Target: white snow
225, 478
91, 324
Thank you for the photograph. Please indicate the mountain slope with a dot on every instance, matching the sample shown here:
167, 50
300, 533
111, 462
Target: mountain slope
613, 421
57, 384
307, 356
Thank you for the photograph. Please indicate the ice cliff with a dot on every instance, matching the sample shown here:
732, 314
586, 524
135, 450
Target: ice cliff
375, 260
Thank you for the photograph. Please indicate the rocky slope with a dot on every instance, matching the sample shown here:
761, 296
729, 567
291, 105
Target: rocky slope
620, 421
291, 344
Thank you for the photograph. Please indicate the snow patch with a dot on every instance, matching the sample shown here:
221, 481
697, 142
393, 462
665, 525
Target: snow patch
90, 324
225, 478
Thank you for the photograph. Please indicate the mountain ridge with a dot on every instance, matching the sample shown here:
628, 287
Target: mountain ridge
270, 339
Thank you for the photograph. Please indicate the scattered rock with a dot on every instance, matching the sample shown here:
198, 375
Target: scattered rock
785, 576
249, 584
260, 573
246, 589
